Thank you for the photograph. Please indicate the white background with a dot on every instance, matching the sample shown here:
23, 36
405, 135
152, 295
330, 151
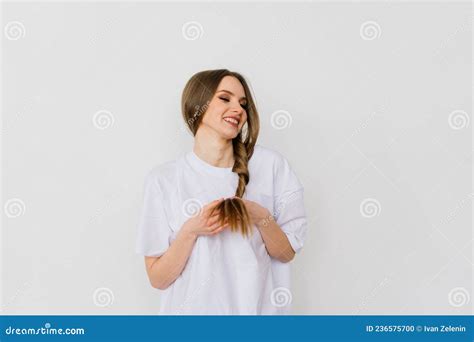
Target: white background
377, 102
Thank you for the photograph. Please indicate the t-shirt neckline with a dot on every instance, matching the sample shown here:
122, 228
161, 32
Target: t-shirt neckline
205, 166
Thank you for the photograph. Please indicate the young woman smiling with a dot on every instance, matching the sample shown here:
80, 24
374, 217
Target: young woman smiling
221, 222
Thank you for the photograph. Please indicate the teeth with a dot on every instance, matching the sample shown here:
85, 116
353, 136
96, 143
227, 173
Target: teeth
231, 120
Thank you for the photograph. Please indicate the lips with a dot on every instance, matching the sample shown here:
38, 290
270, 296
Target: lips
232, 121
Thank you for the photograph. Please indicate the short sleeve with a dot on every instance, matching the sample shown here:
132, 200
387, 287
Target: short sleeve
290, 212
154, 232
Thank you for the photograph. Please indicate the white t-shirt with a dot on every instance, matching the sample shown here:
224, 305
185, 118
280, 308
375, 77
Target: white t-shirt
226, 274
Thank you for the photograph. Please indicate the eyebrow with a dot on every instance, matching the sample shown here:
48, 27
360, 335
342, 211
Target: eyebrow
231, 93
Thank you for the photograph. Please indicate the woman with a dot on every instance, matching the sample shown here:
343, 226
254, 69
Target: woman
220, 223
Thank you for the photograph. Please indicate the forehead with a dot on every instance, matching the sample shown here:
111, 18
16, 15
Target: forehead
232, 84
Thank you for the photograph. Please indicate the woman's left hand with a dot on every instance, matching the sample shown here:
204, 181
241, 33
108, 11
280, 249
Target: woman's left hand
257, 213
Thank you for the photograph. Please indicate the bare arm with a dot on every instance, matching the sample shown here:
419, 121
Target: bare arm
276, 241
162, 271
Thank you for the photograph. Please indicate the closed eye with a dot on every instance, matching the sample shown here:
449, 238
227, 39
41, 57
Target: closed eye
244, 106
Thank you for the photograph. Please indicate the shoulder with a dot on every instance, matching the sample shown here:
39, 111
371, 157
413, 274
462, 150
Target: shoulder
267, 153
163, 173
262, 154
272, 163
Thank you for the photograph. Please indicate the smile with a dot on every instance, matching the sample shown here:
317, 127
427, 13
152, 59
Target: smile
232, 121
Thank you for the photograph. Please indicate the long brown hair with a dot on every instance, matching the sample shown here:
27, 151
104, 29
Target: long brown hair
197, 95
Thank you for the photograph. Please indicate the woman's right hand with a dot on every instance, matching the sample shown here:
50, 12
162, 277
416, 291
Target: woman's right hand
203, 223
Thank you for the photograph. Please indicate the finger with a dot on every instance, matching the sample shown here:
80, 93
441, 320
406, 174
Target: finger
215, 202
218, 230
217, 225
213, 230
206, 210
212, 220
214, 226
206, 214
212, 204
211, 213
210, 216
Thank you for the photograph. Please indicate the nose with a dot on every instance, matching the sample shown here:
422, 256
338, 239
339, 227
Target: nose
237, 108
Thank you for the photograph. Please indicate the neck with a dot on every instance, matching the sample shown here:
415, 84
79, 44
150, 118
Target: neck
213, 149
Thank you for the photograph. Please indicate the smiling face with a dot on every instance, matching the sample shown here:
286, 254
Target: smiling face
226, 113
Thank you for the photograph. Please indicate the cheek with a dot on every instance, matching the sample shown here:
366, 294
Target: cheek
213, 114
217, 105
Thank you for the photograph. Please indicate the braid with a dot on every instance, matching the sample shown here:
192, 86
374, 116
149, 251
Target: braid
197, 94
234, 208
240, 165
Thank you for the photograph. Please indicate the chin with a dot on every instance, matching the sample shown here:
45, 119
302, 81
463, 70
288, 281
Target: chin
229, 133
229, 136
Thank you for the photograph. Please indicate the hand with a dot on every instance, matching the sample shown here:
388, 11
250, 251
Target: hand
258, 214
203, 223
